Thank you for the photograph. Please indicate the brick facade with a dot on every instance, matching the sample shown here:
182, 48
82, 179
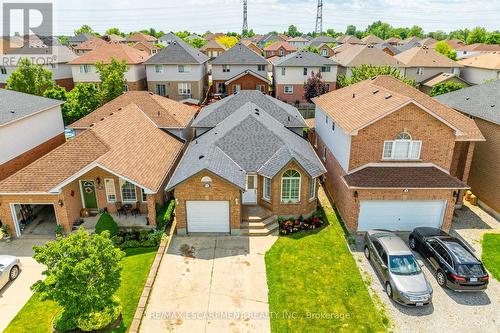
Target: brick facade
246, 82
298, 92
67, 83
140, 85
19, 162
280, 52
198, 89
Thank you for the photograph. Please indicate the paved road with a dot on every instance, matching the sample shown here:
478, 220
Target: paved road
211, 284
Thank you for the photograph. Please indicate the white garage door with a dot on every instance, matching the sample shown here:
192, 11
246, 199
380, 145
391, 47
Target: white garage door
207, 216
400, 215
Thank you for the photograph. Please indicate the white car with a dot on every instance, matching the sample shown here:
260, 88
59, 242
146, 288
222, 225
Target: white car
10, 267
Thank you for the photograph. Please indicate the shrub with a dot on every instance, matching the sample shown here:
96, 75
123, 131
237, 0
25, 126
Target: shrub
100, 319
130, 243
164, 215
106, 222
156, 236
117, 240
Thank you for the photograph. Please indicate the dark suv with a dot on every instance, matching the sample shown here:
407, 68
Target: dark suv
455, 265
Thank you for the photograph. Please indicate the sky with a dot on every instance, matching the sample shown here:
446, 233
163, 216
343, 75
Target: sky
266, 15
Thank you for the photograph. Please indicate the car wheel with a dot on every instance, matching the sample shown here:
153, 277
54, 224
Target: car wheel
441, 278
388, 289
367, 252
14, 273
413, 243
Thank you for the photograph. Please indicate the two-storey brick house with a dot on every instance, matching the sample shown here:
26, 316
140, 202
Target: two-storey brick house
396, 158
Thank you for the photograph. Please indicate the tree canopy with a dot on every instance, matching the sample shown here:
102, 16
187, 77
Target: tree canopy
445, 49
85, 29
227, 41
445, 87
30, 78
314, 86
112, 79
365, 72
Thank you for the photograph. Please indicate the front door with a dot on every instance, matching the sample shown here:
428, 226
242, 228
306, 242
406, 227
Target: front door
250, 194
88, 194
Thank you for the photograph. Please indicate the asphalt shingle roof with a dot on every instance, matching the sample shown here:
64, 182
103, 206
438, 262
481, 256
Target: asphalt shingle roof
15, 105
215, 113
178, 52
482, 101
80, 38
249, 140
304, 58
240, 54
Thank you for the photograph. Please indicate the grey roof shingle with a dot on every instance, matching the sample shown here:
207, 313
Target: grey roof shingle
240, 54
178, 52
80, 38
323, 39
215, 113
15, 105
249, 140
304, 58
169, 38
481, 101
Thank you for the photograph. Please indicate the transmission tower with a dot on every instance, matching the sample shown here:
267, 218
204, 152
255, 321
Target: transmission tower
319, 19
245, 22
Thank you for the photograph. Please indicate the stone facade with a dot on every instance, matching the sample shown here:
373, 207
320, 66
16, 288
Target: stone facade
19, 162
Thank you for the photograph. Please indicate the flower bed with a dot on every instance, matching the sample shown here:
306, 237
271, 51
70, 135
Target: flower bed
137, 238
289, 226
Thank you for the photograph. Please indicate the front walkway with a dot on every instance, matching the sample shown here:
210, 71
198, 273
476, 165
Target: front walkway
211, 284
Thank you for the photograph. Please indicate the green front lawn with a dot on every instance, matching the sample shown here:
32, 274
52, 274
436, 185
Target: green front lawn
315, 285
491, 254
36, 315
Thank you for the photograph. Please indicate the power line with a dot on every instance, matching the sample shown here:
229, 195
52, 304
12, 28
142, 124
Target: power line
319, 19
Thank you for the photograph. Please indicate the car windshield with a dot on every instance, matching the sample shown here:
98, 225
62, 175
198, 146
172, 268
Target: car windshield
470, 269
404, 265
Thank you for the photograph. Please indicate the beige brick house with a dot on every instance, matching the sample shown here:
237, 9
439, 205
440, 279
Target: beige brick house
124, 159
247, 165
396, 158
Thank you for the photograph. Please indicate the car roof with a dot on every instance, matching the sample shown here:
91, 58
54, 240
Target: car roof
459, 251
429, 231
394, 245
6, 259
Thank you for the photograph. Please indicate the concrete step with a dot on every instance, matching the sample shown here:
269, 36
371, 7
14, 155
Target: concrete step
267, 230
259, 224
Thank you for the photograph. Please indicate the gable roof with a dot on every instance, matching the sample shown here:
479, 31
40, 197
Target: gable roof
91, 44
428, 41
480, 47
16, 105
271, 37
249, 140
276, 46
412, 39
141, 37
103, 146
303, 58
357, 55
143, 46
361, 104
169, 38
298, 39
442, 77
483, 60
425, 57
350, 39
114, 38
80, 38
215, 113
393, 40
213, 44
178, 52
372, 39
324, 39
247, 72
481, 101
164, 112
105, 54
240, 54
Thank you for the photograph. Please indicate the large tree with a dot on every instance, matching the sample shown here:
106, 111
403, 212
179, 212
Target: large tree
493, 38
30, 78
350, 30
113, 80
85, 29
115, 31
477, 35
365, 72
293, 31
314, 86
82, 100
416, 31
445, 87
82, 276
445, 49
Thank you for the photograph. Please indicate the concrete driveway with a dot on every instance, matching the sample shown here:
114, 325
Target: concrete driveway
211, 284
450, 311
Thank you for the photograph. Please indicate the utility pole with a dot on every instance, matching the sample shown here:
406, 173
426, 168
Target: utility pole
319, 19
245, 22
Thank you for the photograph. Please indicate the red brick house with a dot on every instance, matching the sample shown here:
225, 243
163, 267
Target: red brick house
396, 158
279, 49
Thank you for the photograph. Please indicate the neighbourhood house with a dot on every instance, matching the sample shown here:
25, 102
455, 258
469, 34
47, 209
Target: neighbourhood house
279, 49
147, 47
114, 38
298, 42
89, 45
250, 164
422, 63
239, 68
409, 43
178, 71
476, 49
481, 68
394, 41
396, 158
141, 37
55, 60
427, 85
270, 38
252, 46
372, 39
78, 39
84, 69
482, 103
213, 48
104, 168
349, 39
357, 55
169, 39
291, 72
387, 48
30, 127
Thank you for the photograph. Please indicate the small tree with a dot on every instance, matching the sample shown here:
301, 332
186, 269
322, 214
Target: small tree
197, 42
85, 29
82, 276
365, 72
227, 41
445, 87
314, 86
311, 49
82, 100
445, 49
30, 78
112, 79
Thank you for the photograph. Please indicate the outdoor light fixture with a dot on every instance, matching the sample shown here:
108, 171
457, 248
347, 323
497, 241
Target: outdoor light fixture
98, 180
406, 190
60, 203
355, 194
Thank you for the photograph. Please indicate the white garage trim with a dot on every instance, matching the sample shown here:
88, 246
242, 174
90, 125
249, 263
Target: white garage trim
207, 216
14, 215
402, 215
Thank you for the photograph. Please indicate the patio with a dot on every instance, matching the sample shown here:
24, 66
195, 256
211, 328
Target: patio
123, 221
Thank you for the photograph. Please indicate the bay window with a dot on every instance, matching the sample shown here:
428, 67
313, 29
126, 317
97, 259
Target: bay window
290, 186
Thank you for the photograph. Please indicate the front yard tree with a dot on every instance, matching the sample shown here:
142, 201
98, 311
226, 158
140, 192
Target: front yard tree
445, 87
82, 276
30, 78
112, 79
365, 72
314, 86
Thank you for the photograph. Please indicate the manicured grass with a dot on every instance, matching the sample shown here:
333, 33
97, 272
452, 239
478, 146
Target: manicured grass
491, 254
314, 277
36, 315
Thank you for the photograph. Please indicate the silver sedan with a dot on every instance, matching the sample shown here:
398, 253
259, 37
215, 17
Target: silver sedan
10, 267
398, 269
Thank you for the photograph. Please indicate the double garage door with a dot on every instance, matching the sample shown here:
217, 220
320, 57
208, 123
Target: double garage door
403, 215
207, 216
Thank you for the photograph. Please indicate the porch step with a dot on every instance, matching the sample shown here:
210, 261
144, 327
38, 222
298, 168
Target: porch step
260, 228
258, 223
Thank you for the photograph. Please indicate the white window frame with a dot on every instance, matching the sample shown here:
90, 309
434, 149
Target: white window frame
109, 186
266, 189
226, 68
312, 189
283, 179
159, 68
157, 90
261, 68
288, 90
261, 87
283, 71
326, 69
85, 69
144, 196
184, 88
220, 87
122, 183
420, 71
183, 68
324, 52
390, 147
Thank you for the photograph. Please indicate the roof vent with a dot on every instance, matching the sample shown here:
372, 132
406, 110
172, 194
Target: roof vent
467, 98
387, 96
91, 125
103, 118
353, 95
12, 112
120, 108
201, 156
158, 113
375, 91
492, 105
112, 113
196, 142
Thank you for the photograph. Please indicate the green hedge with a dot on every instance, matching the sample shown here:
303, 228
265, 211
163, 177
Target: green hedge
106, 222
164, 214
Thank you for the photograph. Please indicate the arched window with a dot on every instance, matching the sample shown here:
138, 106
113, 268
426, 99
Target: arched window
402, 148
206, 179
290, 186
403, 136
